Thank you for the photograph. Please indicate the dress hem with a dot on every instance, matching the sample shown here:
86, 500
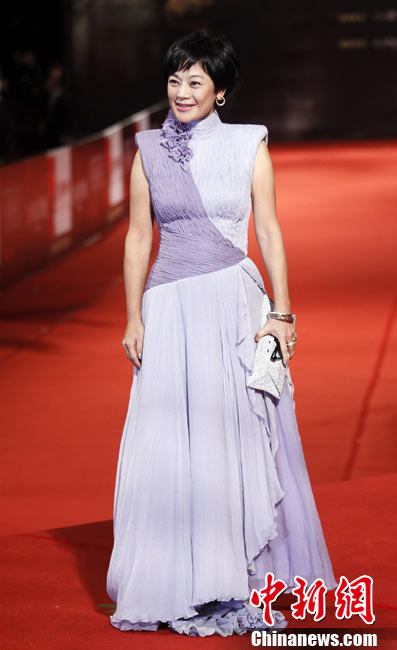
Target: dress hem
221, 617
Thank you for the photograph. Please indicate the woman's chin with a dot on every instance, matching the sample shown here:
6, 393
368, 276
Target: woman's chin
185, 114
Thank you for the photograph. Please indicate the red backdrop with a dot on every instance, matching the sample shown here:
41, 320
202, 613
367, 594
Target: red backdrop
52, 202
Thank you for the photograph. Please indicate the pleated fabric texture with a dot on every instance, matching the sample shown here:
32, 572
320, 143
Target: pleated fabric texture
212, 489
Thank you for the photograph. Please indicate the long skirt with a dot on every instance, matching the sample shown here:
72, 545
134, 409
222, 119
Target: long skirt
212, 490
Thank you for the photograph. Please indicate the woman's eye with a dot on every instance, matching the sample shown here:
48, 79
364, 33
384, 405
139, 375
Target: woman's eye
175, 81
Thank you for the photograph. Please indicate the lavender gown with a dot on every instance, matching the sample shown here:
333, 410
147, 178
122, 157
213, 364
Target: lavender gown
212, 489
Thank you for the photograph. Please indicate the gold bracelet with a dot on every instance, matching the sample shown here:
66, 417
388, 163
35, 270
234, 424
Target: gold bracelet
278, 315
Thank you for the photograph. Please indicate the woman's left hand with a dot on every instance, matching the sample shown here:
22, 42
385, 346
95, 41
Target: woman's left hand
284, 332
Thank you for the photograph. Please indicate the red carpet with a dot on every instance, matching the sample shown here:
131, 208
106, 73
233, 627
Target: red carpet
65, 385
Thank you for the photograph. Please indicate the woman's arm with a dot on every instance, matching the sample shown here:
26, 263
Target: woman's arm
267, 228
271, 244
137, 248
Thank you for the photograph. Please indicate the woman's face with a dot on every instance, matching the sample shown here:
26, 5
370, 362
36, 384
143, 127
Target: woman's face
191, 93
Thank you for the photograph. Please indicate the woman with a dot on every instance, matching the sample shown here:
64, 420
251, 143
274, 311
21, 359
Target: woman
212, 490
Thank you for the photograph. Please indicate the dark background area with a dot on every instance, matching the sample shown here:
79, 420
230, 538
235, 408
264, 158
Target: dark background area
309, 70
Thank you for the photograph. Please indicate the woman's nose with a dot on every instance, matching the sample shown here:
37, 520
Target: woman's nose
183, 91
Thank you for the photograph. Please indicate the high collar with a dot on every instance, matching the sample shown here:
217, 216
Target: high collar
197, 129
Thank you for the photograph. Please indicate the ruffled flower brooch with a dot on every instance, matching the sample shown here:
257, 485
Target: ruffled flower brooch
175, 136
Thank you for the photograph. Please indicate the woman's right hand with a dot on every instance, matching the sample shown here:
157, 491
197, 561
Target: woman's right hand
133, 341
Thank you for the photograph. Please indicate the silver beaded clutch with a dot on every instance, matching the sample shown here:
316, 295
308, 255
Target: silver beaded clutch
269, 372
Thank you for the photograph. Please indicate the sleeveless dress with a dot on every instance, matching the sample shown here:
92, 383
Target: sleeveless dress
212, 490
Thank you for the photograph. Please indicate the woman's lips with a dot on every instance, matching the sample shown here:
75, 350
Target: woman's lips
184, 107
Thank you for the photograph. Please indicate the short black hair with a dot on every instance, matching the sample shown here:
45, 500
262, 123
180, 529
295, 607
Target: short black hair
215, 53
